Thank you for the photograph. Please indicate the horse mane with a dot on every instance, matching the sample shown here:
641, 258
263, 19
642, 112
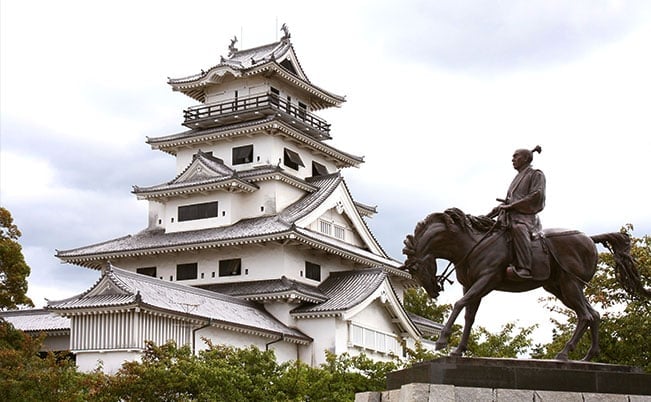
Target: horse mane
455, 216
450, 217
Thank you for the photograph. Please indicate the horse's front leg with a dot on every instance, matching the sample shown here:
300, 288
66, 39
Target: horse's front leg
471, 312
472, 297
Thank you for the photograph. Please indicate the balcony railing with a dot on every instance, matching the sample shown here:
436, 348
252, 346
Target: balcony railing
244, 109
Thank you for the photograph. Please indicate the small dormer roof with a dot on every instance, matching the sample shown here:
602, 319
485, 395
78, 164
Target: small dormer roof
204, 173
277, 58
208, 173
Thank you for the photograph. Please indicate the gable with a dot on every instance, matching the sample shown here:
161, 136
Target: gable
106, 287
339, 208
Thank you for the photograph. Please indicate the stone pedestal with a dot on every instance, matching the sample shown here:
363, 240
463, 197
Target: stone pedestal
547, 375
486, 379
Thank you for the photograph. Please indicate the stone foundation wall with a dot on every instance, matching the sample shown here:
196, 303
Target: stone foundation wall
420, 392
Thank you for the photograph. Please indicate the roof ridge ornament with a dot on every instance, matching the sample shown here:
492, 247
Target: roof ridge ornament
286, 34
231, 48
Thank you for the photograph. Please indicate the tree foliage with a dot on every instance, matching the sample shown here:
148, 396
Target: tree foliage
26, 375
13, 269
625, 329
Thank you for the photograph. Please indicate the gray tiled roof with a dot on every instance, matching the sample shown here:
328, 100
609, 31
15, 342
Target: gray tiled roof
345, 290
36, 320
425, 323
254, 60
157, 294
157, 239
244, 59
273, 288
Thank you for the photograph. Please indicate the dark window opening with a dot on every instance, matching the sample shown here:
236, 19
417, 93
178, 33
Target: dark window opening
288, 106
302, 110
230, 267
243, 154
149, 271
318, 169
198, 211
292, 159
186, 271
312, 271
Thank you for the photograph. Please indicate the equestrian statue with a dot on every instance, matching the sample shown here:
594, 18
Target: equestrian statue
507, 250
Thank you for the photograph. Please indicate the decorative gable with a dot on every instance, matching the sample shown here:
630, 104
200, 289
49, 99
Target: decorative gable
338, 216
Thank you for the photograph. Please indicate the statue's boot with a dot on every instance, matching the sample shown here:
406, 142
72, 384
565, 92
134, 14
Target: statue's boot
518, 274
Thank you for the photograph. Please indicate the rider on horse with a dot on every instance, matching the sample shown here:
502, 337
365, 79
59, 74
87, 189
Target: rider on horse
524, 199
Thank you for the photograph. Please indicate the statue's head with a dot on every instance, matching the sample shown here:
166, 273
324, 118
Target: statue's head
523, 157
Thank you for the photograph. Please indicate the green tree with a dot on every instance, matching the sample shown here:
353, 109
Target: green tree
13, 269
505, 343
625, 328
25, 375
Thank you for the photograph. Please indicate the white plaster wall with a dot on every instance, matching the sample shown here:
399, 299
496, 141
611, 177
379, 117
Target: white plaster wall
225, 91
284, 351
110, 361
324, 333
376, 317
259, 262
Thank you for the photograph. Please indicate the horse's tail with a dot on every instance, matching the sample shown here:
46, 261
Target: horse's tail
626, 273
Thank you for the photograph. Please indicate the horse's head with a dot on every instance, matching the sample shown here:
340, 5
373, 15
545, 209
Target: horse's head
429, 241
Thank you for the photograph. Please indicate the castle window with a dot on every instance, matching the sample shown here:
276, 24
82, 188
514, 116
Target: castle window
186, 271
312, 271
149, 271
292, 159
318, 169
243, 154
198, 211
340, 232
230, 267
325, 227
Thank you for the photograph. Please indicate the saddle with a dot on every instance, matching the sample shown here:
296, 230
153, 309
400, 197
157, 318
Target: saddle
540, 267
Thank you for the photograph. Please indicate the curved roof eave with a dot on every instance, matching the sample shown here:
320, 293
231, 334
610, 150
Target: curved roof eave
168, 143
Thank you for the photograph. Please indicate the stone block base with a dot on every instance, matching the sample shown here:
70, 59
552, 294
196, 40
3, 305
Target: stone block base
421, 392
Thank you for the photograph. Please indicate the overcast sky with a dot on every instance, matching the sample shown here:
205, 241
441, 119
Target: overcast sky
439, 94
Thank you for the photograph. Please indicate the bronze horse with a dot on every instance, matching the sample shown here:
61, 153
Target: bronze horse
479, 251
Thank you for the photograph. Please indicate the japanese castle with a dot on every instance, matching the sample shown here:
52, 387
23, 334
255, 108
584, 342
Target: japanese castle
256, 241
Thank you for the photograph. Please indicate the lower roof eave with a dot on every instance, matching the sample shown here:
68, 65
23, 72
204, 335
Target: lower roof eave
98, 260
303, 340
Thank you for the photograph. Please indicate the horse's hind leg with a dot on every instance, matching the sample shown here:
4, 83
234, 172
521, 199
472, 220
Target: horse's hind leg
570, 292
594, 335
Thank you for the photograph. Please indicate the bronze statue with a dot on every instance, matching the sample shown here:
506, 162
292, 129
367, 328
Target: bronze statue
525, 198
560, 261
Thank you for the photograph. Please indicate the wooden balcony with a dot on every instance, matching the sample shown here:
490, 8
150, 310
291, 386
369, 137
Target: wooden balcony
239, 110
